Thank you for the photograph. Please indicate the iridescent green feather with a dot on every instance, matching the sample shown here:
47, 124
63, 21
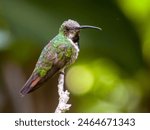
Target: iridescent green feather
59, 48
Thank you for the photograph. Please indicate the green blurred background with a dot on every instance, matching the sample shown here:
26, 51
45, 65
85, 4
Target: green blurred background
112, 73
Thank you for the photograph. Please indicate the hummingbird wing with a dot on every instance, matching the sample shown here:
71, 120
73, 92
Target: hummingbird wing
35, 80
51, 60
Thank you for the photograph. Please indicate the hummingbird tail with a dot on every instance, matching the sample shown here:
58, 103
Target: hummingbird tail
30, 84
35, 81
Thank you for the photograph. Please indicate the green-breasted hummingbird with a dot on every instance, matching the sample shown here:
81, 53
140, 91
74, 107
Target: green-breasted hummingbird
59, 53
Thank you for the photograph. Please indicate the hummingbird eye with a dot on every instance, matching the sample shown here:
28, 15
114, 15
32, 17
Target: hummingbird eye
67, 29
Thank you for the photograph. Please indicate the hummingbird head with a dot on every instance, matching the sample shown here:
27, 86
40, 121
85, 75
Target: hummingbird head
71, 29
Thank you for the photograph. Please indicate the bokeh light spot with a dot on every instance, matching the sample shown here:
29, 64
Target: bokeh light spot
106, 77
4, 39
79, 79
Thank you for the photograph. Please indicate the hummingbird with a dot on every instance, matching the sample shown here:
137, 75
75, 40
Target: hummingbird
58, 54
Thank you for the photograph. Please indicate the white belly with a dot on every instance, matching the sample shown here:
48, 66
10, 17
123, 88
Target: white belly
75, 52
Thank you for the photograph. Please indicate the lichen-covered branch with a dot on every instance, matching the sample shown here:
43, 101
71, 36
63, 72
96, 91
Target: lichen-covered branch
63, 95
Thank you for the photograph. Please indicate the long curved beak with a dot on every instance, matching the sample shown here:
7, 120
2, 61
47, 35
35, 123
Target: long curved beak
88, 26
